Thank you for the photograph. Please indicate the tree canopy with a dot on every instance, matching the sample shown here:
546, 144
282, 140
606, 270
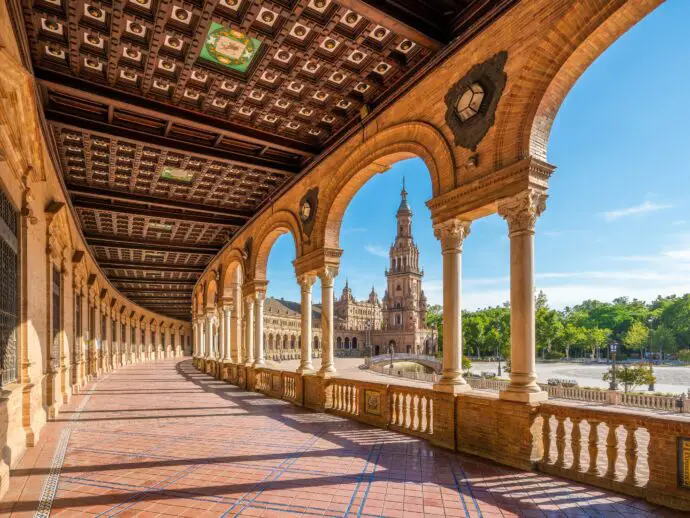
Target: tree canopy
584, 330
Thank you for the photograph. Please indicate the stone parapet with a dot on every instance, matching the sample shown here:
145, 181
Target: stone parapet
587, 444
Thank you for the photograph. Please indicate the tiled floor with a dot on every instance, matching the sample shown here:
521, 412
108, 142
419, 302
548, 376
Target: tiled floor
162, 439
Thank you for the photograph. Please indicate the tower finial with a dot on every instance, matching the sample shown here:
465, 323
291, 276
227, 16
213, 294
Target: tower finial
403, 193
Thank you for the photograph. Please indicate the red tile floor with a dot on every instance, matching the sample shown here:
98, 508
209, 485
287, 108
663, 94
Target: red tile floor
162, 439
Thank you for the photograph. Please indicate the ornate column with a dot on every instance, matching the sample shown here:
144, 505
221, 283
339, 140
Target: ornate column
128, 332
236, 325
168, 343
249, 329
227, 314
521, 212
259, 297
306, 282
209, 353
327, 276
195, 338
451, 234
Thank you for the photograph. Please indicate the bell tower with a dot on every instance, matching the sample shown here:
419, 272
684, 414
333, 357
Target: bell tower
404, 304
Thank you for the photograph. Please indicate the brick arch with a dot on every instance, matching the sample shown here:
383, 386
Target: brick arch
377, 154
232, 270
557, 61
281, 222
211, 292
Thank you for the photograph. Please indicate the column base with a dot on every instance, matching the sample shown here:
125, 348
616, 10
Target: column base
523, 397
305, 370
328, 372
451, 387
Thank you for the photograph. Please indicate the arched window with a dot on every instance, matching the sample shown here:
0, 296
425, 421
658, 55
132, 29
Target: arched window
339, 343
347, 342
354, 343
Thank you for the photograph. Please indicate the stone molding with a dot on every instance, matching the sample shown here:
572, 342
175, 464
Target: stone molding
317, 260
479, 197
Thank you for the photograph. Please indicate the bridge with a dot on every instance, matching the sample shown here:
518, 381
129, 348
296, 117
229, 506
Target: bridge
422, 359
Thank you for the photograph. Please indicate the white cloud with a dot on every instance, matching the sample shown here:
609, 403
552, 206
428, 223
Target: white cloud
642, 208
679, 222
376, 250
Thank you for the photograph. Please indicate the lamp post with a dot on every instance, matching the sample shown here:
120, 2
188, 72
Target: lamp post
614, 383
433, 344
498, 346
650, 322
367, 328
390, 350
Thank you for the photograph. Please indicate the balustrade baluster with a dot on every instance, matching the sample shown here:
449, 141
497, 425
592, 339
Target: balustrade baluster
401, 415
393, 416
560, 441
631, 452
546, 436
576, 444
593, 447
611, 451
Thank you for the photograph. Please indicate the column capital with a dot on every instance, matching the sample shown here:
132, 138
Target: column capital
306, 281
327, 275
452, 233
522, 210
260, 296
228, 307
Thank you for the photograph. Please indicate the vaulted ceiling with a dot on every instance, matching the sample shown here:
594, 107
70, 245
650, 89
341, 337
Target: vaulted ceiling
174, 122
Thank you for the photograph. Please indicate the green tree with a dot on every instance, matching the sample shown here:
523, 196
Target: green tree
597, 338
631, 377
549, 325
636, 336
434, 316
663, 340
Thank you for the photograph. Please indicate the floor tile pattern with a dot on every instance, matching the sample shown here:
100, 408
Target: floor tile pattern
162, 439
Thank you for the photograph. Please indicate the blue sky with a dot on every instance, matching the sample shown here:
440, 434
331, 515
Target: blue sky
617, 220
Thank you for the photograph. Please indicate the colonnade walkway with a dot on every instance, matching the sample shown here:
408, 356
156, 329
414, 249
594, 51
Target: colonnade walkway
162, 439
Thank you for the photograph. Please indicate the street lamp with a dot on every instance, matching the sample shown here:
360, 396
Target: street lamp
433, 344
614, 383
650, 321
367, 327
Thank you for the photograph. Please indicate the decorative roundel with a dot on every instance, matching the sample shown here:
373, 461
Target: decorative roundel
221, 34
305, 210
470, 101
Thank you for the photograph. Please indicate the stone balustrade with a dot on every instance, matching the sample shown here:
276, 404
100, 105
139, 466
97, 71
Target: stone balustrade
614, 447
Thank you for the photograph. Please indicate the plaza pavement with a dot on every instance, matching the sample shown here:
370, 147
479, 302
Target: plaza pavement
162, 439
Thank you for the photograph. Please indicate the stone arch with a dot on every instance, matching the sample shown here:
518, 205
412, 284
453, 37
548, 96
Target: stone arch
280, 223
232, 271
561, 56
211, 293
376, 155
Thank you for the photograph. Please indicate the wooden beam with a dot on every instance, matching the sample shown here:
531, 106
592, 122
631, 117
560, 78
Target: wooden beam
124, 208
124, 265
143, 199
133, 280
147, 244
148, 291
76, 123
420, 30
152, 108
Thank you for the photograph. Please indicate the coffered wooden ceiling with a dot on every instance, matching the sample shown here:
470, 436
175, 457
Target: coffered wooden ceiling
175, 122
